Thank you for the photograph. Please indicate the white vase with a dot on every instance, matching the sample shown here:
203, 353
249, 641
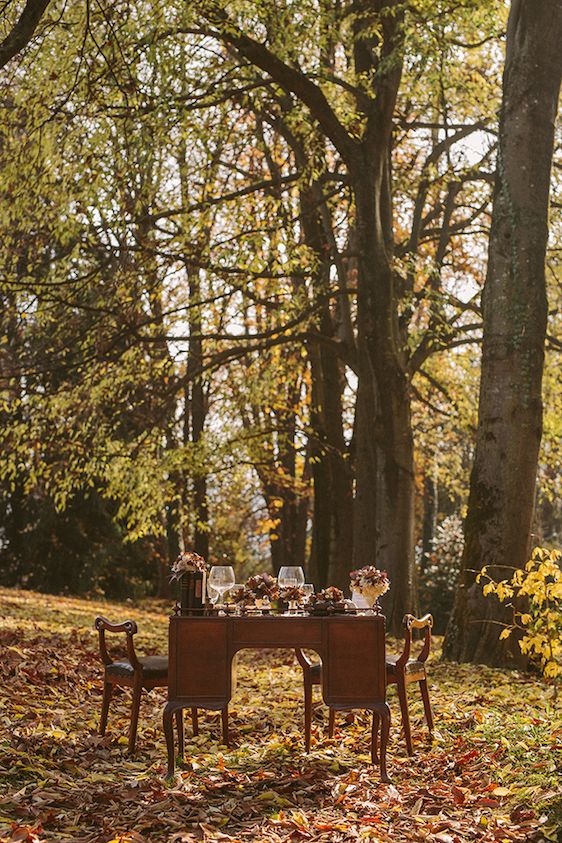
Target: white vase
371, 593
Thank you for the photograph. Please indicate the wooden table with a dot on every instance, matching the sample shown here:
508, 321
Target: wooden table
352, 649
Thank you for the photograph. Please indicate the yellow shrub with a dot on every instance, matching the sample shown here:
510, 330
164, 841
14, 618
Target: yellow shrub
539, 585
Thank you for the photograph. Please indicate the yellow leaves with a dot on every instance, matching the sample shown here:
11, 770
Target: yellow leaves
501, 791
503, 591
269, 524
273, 797
537, 587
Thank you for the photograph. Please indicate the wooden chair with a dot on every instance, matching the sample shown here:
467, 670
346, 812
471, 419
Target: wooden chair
134, 672
400, 671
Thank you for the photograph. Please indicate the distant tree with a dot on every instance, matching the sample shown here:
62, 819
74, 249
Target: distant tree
502, 487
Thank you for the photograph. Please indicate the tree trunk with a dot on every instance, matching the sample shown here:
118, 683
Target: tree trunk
198, 414
500, 507
364, 451
332, 524
430, 508
385, 370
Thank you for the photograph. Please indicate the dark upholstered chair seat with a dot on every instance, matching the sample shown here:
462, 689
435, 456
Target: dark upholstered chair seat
153, 667
411, 666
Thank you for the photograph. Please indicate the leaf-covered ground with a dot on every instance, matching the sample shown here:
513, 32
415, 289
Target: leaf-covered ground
492, 772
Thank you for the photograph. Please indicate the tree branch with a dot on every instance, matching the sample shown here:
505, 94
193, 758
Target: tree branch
288, 78
21, 33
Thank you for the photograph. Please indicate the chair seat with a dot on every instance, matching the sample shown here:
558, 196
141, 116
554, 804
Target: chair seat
411, 666
153, 667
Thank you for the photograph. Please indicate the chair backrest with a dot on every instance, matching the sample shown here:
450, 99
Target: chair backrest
409, 622
303, 659
128, 627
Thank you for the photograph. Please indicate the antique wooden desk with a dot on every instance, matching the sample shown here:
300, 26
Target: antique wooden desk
352, 649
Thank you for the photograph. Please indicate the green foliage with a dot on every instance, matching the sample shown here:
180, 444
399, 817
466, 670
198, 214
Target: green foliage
539, 623
122, 133
77, 550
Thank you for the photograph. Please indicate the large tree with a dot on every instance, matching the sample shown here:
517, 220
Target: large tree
358, 125
502, 487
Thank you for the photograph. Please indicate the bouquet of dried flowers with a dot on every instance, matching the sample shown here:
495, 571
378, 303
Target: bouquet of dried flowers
292, 593
241, 596
370, 581
328, 601
332, 594
263, 586
187, 562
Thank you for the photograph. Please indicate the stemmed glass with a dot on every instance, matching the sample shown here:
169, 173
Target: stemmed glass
212, 594
221, 579
308, 589
290, 575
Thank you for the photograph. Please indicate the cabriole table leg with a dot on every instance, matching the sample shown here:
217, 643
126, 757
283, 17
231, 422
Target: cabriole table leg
167, 720
383, 712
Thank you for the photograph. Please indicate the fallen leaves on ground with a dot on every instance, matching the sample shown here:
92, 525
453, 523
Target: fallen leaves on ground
491, 772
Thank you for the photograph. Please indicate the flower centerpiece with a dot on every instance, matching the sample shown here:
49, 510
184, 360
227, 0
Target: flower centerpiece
293, 595
242, 598
327, 601
370, 582
264, 589
190, 570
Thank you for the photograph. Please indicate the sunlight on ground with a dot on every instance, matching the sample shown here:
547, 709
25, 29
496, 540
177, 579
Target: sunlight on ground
490, 773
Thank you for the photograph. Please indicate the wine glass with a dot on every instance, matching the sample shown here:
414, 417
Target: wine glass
290, 575
212, 594
308, 589
221, 578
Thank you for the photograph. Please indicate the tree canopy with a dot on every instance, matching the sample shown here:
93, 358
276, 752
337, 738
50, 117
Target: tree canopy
242, 252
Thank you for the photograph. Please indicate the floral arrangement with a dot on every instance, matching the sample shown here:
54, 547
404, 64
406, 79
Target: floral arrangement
332, 594
241, 596
327, 602
263, 586
187, 562
369, 580
292, 592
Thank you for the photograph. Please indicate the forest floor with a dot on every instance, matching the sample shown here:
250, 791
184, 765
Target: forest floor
491, 773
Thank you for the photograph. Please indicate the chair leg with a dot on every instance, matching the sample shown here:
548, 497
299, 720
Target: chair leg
225, 735
137, 690
331, 722
195, 722
107, 693
307, 714
426, 704
402, 697
179, 727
